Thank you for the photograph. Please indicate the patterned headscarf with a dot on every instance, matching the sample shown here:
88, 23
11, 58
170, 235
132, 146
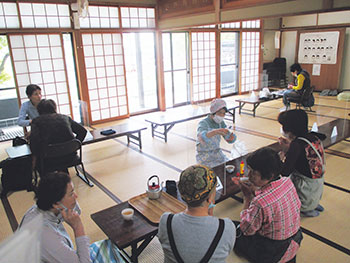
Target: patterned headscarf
195, 184
216, 105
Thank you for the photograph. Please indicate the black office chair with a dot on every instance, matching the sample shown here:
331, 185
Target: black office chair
61, 156
303, 100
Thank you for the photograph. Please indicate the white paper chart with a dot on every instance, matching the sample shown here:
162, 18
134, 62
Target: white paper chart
320, 48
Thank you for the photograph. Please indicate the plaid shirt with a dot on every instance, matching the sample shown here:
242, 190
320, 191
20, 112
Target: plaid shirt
274, 213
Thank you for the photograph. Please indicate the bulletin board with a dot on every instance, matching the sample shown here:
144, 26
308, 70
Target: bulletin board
320, 53
320, 48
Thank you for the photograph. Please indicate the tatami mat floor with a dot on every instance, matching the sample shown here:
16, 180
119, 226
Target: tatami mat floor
124, 172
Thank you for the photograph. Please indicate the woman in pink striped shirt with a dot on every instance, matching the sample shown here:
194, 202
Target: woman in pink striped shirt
270, 219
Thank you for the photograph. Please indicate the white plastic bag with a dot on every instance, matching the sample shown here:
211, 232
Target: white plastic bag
24, 245
238, 149
265, 93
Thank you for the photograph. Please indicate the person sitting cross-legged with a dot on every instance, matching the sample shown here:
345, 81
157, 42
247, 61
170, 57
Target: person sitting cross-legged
195, 235
269, 227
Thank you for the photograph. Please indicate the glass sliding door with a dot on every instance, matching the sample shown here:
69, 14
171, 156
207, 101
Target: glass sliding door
229, 62
176, 70
8, 94
140, 66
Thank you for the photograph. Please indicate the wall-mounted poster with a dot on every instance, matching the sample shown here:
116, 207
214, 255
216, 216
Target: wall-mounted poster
320, 48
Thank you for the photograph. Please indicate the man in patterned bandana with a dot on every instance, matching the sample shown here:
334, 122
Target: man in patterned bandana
187, 236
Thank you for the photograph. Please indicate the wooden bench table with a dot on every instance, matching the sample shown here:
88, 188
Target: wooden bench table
255, 101
130, 129
168, 119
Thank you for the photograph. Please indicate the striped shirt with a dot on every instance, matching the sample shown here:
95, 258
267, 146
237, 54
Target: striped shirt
274, 213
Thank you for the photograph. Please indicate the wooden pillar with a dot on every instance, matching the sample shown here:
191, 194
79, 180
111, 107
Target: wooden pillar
217, 11
217, 48
217, 63
81, 75
160, 71
261, 53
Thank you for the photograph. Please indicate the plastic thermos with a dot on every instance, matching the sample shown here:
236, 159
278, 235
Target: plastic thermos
241, 166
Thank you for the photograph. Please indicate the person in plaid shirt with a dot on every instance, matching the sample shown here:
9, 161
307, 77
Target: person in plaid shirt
269, 230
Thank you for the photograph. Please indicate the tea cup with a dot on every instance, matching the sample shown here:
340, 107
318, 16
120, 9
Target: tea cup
230, 168
128, 213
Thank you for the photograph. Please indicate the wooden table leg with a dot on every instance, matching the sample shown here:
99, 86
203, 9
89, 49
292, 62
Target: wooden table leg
256, 105
153, 127
134, 254
140, 143
165, 133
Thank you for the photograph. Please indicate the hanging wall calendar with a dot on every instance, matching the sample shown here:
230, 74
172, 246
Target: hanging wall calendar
320, 47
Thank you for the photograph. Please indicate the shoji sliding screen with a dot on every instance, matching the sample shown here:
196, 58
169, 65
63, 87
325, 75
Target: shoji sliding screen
203, 66
250, 61
104, 64
39, 59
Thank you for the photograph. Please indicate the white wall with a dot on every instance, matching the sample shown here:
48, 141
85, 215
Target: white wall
269, 52
271, 25
289, 41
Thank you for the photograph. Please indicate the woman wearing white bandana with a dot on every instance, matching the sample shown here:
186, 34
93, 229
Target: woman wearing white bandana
209, 134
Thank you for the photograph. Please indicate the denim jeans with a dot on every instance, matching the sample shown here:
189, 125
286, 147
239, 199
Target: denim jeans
289, 94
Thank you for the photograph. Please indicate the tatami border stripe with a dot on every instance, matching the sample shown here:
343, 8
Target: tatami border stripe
338, 153
101, 186
337, 187
150, 156
326, 241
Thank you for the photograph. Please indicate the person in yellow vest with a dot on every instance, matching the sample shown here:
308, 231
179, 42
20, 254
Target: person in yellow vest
302, 81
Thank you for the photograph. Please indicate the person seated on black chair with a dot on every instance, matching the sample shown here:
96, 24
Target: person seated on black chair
302, 82
51, 128
28, 109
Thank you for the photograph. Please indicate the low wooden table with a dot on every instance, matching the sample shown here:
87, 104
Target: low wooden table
131, 129
125, 233
255, 102
168, 119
